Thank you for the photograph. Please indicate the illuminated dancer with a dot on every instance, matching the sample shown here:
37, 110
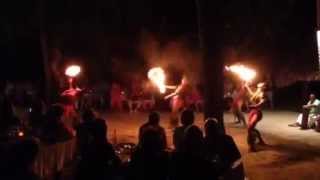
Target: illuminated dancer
256, 99
178, 100
237, 104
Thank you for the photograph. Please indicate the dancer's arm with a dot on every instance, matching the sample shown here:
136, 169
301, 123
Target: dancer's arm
171, 87
176, 92
311, 105
261, 101
249, 89
170, 95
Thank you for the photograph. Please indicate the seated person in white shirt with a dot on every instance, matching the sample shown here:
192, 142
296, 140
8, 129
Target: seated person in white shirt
314, 112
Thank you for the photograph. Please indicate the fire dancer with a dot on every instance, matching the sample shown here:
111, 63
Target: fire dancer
246, 75
178, 100
256, 99
73, 92
237, 105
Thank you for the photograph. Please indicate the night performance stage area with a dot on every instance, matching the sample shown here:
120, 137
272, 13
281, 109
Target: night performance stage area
291, 153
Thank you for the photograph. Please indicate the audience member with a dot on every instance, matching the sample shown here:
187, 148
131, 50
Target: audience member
85, 130
150, 160
189, 163
99, 160
153, 121
187, 119
54, 130
222, 152
313, 109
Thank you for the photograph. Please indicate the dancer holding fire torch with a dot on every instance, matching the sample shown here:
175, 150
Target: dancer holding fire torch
178, 100
246, 75
257, 99
157, 76
255, 115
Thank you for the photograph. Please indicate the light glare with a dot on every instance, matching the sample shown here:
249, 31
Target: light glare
158, 77
73, 70
318, 43
243, 72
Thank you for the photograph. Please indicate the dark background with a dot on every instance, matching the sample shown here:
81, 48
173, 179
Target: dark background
275, 35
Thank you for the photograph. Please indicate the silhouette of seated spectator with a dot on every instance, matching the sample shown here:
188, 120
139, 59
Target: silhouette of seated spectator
84, 130
190, 163
149, 160
222, 152
153, 121
98, 160
54, 130
20, 159
187, 119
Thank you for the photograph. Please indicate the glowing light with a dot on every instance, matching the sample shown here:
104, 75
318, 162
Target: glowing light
318, 43
20, 134
243, 72
158, 77
73, 71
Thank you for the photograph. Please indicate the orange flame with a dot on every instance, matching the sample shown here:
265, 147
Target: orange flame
243, 72
158, 77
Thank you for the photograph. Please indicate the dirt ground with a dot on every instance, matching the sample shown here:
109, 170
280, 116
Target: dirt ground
291, 153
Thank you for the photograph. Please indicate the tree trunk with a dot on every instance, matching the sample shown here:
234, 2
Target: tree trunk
210, 39
45, 54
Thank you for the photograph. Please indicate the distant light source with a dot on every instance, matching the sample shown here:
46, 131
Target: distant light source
20, 134
318, 43
73, 70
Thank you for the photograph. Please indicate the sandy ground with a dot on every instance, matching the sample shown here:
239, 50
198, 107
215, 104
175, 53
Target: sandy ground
291, 153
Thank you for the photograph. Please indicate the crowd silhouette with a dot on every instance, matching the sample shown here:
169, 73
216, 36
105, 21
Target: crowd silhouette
208, 154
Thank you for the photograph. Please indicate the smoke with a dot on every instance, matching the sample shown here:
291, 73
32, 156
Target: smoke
177, 54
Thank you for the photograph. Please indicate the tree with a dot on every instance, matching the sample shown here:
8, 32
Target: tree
211, 24
44, 49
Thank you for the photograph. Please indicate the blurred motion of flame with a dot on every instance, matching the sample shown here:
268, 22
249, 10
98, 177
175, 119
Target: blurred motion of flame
244, 73
158, 77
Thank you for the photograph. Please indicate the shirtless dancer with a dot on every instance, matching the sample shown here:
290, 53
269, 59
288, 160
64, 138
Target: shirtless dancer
178, 100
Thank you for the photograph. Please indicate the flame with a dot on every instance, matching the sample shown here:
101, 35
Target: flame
158, 77
243, 72
73, 70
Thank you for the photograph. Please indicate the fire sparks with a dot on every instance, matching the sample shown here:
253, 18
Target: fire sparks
73, 71
158, 77
244, 73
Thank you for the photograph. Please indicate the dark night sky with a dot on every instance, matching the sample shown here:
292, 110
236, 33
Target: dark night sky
280, 30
